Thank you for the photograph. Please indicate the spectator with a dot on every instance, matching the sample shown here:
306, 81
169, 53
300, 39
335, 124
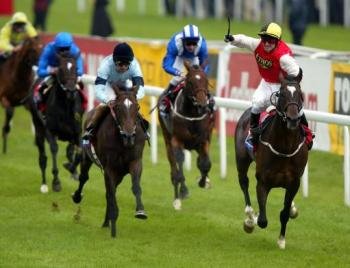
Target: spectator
101, 23
298, 20
41, 8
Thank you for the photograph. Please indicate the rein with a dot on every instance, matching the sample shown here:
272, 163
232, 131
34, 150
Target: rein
279, 153
176, 113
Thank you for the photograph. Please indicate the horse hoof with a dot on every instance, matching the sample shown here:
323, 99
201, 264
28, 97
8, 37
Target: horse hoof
204, 183
177, 204
293, 213
281, 242
44, 189
248, 226
56, 187
77, 198
141, 214
262, 224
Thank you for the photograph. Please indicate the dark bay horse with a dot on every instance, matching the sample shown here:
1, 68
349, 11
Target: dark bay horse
61, 120
118, 148
16, 80
191, 128
280, 157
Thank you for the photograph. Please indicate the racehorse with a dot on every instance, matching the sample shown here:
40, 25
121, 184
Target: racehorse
191, 124
280, 156
61, 119
117, 149
16, 80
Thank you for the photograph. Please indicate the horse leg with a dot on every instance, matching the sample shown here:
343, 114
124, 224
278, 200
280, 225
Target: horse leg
112, 210
242, 169
262, 192
40, 143
9, 112
204, 165
284, 214
74, 158
135, 170
180, 158
56, 183
83, 178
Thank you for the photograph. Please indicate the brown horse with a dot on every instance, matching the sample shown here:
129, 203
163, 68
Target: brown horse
61, 120
118, 148
280, 157
16, 80
191, 124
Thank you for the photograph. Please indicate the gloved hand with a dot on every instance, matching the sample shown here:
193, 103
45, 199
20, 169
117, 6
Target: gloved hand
228, 38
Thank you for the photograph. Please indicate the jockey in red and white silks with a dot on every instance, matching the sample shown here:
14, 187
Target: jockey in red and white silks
274, 58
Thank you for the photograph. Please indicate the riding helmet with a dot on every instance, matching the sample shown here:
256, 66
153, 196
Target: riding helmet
271, 29
19, 17
123, 52
190, 33
63, 39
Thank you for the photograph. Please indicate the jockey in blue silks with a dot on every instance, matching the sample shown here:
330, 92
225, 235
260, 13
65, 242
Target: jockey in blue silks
48, 61
120, 67
188, 45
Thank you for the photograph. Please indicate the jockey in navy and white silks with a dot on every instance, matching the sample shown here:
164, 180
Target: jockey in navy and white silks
120, 67
188, 45
273, 57
48, 61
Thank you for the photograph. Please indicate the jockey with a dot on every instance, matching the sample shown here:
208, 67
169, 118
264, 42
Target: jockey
273, 57
188, 45
48, 63
120, 67
14, 33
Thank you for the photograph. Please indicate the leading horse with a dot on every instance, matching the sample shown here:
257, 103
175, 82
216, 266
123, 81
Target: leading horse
16, 80
117, 149
191, 124
280, 157
61, 120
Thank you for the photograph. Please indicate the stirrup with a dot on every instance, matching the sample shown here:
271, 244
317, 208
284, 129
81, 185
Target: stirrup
87, 135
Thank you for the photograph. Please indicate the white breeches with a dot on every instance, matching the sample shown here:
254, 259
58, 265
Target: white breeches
179, 64
261, 96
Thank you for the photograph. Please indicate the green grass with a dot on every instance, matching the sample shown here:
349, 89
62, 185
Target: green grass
63, 16
206, 233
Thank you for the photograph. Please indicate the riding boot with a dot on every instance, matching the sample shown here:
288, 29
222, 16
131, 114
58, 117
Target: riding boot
254, 128
166, 98
144, 125
308, 132
100, 112
211, 103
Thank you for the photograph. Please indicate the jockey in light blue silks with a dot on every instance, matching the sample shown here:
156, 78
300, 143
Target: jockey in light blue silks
119, 67
188, 45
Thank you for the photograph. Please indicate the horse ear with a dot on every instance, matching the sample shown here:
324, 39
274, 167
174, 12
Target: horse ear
187, 65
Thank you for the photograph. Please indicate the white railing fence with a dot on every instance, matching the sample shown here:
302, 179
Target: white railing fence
226, 103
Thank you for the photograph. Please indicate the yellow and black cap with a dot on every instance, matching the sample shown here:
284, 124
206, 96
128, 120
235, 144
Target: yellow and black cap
271, 29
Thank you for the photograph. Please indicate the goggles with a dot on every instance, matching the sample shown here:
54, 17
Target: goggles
122, 63
269, 39
191, 43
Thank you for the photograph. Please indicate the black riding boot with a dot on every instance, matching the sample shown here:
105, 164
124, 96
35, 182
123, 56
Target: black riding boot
100, 112
254, 127
211, 103
144, 125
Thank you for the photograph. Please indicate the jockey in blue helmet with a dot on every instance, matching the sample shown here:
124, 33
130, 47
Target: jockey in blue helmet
48, 62
189, 45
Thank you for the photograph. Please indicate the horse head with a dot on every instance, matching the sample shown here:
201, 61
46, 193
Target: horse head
29, 53
125, 112
196, 86
289, 101
67, 74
